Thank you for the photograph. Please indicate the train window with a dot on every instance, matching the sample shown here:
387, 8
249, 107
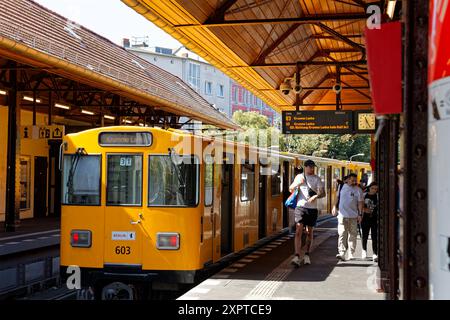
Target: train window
321, 173
81, 179
209, 183
124, 180
275, 181
173, 182
247, 182
336, 176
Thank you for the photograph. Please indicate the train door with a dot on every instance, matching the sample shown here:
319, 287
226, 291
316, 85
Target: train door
207, 219
40, 187
216, 220
123, 211
262, 204
286, 193
227, 204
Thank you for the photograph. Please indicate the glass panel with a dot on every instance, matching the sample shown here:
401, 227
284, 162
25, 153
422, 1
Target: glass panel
24, 183
209, 184
247, 182
321, 173
275, 181
124, 180
81, 180
173, 181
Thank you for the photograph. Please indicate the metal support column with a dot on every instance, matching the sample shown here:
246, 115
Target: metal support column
12, 218
413, 253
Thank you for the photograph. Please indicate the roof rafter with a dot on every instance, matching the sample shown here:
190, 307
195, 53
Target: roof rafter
219, 15
339, 36
305, 19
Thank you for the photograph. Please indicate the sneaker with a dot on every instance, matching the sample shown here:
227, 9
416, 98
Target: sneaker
295, 260
364, 255
306, 259
375, 258
340, 257
350, 256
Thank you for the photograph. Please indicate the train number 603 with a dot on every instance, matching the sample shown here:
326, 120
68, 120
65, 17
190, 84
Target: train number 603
123, 250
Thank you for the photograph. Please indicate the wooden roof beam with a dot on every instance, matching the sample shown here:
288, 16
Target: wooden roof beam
324, 37
304, 19
339, 36
358, 90
350, 3
218, 16
307, 93
263, 55
306, 63
358, 74
248, 6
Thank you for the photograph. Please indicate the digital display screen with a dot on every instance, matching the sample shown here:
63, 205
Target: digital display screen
111, 139
317, 122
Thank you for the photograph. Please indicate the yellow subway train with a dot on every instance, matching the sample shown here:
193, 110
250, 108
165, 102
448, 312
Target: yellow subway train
146, 210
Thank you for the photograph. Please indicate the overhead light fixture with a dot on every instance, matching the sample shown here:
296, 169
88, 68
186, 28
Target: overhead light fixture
62, 106
141, 125
128, 121
391, 8
31, 99
87, 112
109, 117
3, 93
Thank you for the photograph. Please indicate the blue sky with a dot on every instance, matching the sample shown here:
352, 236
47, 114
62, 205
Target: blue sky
111, 19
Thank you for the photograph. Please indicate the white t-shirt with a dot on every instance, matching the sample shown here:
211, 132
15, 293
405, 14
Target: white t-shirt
348, 203
314, 183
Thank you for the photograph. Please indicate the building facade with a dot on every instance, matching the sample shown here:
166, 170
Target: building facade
213, 85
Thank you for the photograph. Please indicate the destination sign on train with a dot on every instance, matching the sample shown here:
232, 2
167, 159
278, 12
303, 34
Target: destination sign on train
142, 139
316, 122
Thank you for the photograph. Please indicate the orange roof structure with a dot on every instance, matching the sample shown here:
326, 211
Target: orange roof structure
263, 44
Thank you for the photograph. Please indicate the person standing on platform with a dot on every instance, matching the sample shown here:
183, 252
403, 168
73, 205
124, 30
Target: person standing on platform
369, 221
349, 212
310, 188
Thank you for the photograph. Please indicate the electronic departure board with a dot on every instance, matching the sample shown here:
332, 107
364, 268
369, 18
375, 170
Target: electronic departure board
316, 122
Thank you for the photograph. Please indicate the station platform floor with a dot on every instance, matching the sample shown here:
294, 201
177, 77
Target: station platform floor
267, 273
31, 234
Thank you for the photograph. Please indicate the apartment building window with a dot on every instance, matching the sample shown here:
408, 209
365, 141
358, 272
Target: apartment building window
234, 94
194, 75
208, 88
220, 90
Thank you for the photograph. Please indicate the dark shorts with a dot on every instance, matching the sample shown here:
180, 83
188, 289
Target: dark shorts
305, 216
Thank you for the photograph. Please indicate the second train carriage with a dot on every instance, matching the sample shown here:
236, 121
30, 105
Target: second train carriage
143, 211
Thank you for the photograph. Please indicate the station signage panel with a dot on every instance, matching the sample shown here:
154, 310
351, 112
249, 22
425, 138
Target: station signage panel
42, 132
317, 122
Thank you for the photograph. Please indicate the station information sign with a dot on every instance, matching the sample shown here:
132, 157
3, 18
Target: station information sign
317, 122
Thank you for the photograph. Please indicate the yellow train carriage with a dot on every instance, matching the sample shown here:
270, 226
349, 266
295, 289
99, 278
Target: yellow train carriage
128, 217
147, 203
147, 208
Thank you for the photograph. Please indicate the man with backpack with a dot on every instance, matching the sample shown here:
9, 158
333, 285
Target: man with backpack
310, 187
349, 210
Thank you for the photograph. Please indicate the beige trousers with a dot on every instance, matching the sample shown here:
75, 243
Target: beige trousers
348, 231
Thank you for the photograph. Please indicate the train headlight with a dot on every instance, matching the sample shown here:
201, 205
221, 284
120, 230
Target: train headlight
168, 241
81, 238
